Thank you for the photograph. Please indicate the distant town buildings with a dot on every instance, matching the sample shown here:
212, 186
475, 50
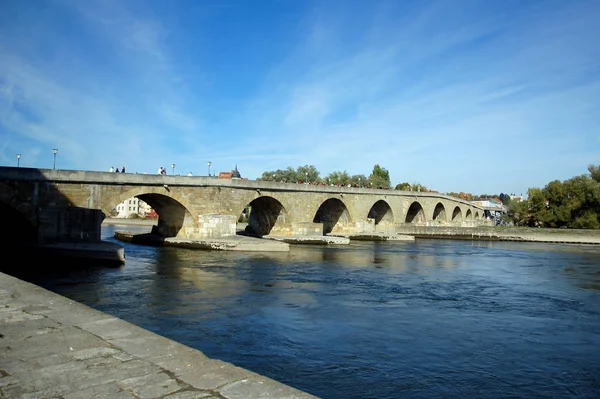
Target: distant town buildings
234, 174
133, 207
491, 203
492, 209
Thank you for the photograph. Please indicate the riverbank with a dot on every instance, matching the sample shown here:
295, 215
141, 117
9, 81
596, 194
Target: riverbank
492, 233
55, 347
501, 233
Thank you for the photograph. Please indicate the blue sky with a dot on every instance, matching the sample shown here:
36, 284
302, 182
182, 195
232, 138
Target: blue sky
473, 96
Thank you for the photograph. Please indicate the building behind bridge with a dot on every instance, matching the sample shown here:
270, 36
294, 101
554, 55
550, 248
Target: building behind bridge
133, 207
233, 174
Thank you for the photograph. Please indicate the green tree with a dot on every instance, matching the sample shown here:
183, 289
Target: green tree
358, 180
337, 178
505, 199
557, 212
595, 172
419, 187
380, 178
583, 196
518, 213
403, 186
307, 174
537, 207
290, 175
574, 203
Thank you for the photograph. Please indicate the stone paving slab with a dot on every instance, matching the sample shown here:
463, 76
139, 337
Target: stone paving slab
53, 347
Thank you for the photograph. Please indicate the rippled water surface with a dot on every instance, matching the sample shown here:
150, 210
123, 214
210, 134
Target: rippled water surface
423, 319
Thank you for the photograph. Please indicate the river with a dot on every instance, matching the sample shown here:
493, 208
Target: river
423, 319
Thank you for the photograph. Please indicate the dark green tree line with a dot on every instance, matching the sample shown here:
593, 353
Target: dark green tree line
573, 203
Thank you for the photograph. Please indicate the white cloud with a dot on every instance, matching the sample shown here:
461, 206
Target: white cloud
473, 98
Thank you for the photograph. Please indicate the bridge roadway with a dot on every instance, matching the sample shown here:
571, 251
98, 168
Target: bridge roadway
59, 205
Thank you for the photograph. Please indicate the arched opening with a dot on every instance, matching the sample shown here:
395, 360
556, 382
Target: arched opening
415, 214
381, 213
242, 220
172, 215
334, 215
469, 215
457, 215
262, 214
439, 213
477, 217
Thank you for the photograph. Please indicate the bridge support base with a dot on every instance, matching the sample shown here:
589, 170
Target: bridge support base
216, 225
307, 229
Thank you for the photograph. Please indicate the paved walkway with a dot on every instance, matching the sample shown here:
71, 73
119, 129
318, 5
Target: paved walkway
52, 347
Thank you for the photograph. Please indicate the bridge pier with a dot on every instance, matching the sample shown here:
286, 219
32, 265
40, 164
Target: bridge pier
69, 225
306, 229
215, 225
366, 226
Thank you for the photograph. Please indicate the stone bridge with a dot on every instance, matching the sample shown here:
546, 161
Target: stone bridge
46, 205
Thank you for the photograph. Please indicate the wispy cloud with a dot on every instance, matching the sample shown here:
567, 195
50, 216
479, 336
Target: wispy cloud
469, 102
459, 96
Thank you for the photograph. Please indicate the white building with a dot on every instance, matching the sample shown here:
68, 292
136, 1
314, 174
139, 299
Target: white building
132, 206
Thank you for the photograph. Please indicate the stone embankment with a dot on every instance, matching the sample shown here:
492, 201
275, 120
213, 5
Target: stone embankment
523, 234
53, 347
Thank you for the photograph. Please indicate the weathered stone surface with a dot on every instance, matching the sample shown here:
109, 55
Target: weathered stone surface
52, 347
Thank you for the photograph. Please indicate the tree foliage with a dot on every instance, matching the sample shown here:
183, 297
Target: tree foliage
595, 172
403, 186
379, 178
302, 174
462, 196
573, 203
337, 178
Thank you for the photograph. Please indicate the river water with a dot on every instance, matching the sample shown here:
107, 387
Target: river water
423, 319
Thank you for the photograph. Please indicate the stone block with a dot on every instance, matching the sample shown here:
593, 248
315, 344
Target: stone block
306, 229
215, 225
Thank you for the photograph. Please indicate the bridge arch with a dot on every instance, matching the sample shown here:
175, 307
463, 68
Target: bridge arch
439, 213
415, 213
174, 218
457, 214
381, 212
266, 215
334, 215
469, 215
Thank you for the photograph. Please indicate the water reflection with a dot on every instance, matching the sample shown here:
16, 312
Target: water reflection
427, 319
